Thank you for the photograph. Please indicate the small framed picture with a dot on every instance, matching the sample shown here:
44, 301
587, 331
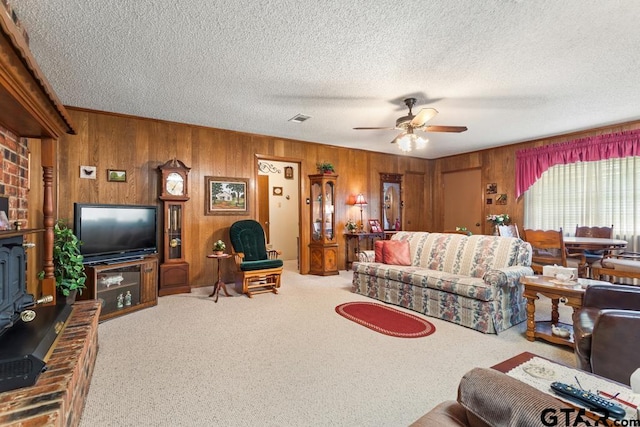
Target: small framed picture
88, 172
277, 191
116, 175
492, 188
501, 199
288, 172
375, 226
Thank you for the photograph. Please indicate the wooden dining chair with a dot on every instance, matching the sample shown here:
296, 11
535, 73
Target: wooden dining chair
510, 230
547, 249
625, 265
591, 256
604, 232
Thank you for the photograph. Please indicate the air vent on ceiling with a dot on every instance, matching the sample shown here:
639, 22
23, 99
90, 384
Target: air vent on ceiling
299, 118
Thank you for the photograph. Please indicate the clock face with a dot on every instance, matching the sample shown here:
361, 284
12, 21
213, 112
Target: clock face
175, 184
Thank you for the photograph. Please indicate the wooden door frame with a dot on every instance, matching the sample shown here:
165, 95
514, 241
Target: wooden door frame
299, 162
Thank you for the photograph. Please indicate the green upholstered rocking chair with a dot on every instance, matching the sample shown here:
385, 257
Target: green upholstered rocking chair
258, 269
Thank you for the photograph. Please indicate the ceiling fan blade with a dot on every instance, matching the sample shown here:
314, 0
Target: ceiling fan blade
400, 135
385, 128
456, 129
423, 117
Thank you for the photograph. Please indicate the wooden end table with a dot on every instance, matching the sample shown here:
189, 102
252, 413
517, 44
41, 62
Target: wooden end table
369, 239
569, 294
219, 284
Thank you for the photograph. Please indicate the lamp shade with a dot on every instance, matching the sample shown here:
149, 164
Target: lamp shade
360, 200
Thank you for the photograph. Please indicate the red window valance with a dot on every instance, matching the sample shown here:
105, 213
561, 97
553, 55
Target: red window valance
531, 163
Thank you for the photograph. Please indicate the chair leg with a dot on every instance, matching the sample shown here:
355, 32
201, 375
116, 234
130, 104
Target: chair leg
264, 283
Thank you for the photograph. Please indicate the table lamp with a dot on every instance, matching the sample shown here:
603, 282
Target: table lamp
361, 201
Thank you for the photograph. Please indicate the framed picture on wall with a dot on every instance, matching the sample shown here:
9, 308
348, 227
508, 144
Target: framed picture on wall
88, 172
288, 172
226, 196
115, 175
501, 199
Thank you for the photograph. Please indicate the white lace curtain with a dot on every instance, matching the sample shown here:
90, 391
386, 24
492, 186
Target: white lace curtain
598, 193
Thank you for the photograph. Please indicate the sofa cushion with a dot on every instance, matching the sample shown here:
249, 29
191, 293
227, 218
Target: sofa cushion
464, 255
377, 248
261, 265
392, 252
396, 252
472, 287
449, 413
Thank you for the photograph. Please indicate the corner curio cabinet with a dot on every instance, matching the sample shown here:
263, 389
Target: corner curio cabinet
323, 246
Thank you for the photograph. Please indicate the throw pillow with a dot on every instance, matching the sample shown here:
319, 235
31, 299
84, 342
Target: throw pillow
396, 252
377, 246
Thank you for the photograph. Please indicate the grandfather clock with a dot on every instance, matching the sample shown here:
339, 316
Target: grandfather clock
174, 193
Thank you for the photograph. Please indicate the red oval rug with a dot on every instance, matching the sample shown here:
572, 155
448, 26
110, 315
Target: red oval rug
386, 320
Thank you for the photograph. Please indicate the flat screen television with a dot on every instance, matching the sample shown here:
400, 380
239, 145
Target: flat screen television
114, 233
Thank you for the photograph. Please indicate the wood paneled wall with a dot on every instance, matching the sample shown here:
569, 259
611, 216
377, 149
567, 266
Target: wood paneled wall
139, 146
498, 166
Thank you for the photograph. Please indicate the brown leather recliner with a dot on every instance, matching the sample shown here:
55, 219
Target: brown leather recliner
606, 330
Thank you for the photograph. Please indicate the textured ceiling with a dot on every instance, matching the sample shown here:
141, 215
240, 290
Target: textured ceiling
510, 71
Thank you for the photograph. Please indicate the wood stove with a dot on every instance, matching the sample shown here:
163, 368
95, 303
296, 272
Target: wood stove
27, 333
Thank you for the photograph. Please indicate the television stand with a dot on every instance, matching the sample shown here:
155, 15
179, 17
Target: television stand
124, 286
121, 260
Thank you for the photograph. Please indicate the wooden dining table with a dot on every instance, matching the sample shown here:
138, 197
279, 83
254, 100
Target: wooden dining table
593, 243
582, 244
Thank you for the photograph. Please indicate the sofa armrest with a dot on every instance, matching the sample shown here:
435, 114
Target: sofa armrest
612, 296
493, 398
367, 256
508, 276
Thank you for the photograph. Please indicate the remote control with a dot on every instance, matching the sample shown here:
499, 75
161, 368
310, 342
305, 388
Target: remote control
590, 400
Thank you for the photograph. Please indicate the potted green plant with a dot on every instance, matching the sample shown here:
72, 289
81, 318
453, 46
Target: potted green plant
325, 167
68, 268
219, 247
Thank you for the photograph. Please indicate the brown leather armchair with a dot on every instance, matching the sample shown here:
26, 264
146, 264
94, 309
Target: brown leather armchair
606, 331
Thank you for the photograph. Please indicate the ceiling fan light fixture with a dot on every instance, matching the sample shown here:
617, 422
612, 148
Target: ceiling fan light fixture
421, 142
410, 140
404, 143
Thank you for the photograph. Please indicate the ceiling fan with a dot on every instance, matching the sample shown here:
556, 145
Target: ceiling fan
411, 122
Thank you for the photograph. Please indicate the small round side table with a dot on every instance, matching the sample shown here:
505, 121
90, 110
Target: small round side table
219, 284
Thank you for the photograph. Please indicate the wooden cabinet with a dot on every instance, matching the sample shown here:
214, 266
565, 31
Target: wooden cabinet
323, 249
123, 287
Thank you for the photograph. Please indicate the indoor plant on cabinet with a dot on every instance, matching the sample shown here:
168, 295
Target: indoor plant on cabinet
68, 268
325, 167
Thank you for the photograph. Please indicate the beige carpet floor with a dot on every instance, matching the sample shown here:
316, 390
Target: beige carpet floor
282, 360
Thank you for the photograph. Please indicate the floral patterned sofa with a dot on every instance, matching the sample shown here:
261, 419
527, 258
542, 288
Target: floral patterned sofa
469, 280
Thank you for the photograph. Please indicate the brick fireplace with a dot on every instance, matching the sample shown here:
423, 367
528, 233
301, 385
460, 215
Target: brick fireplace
58, 396
14, 179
